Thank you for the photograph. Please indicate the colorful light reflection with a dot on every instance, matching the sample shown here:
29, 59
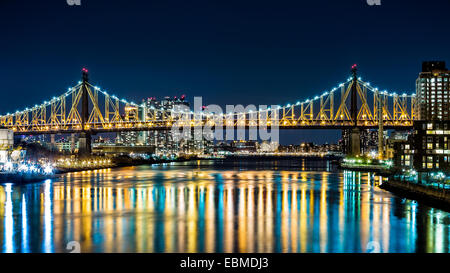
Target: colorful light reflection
148, 209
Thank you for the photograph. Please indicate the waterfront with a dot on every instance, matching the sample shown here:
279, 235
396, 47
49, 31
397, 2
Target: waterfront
218, 206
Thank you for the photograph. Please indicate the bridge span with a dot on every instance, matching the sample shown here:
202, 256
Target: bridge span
87, 109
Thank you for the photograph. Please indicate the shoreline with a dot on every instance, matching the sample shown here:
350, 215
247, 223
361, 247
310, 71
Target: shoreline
21, 179
379, 171
437, 198
280, 157
127, 163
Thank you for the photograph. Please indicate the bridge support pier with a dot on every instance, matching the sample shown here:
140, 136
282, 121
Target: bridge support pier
355, 135
52, 142
72, 143
84, 139
355, 142
84, 144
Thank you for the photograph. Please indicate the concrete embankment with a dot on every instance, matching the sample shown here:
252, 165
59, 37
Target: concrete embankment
428, 195
379, 170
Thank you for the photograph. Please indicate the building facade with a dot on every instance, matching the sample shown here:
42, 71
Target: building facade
66, 145
433, 91
427, 149
368, 141
163, 141
129, 138
431, 140
6, 144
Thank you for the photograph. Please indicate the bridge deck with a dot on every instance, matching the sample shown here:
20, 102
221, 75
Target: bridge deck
168, 128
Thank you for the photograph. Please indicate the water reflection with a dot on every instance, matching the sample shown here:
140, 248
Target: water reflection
176, 208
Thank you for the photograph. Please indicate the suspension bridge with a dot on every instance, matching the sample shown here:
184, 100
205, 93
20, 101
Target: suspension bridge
87, 109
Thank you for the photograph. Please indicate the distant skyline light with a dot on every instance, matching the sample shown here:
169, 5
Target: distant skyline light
233, 52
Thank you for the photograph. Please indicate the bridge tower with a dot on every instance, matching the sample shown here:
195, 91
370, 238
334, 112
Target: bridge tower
84, 140
355, 134
380, 125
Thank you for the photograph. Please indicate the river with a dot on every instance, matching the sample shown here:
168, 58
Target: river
297, 205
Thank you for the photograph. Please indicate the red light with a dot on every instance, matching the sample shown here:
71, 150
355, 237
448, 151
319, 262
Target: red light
84, 70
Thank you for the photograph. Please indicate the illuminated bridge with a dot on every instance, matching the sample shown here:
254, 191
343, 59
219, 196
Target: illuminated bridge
88, 109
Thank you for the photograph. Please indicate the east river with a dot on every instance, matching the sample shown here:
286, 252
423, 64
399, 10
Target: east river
300, 205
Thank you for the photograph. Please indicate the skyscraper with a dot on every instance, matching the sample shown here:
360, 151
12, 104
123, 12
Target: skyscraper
429, 144
162, 140
433, 91
129, 138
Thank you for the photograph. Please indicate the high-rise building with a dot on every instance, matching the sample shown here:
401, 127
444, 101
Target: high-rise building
344, 141
433, 91
368, 140
153, 110
428, 148
6, 144
129, 138
431, 142
163, 140
66, 145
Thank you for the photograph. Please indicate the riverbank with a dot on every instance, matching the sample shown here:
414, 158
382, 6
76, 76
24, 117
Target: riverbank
93, 164
379, 170
439, 198
122, 162
435, 197
280, 157
365, 164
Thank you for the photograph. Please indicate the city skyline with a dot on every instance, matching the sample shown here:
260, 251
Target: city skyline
201, 50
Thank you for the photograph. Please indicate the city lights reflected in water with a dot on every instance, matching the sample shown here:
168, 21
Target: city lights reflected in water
213, 208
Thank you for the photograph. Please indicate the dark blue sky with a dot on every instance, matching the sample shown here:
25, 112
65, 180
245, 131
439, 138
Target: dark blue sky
229, 52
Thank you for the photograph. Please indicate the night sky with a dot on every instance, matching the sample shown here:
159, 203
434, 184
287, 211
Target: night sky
229, 52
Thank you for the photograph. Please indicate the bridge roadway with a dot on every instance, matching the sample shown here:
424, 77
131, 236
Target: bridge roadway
165, 128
